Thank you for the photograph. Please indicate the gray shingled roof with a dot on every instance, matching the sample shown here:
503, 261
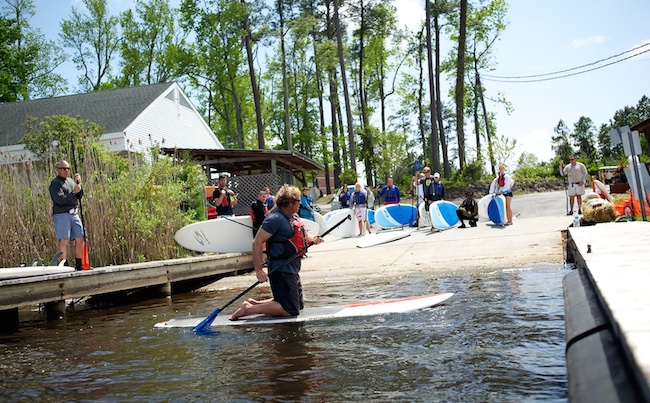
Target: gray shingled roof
114, 109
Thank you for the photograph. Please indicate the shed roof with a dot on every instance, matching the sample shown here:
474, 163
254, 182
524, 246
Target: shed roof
113, 109
238, 161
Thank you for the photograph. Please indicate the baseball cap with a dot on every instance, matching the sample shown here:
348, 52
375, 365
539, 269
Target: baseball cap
436, 175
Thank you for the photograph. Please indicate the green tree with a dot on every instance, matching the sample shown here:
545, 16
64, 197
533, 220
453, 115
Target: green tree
95, 41
149, 47
560, 143
37, 57
584, 138
59, 136
10, 63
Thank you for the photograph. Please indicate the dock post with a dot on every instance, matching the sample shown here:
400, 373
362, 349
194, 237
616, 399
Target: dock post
9, 319
55, 310
166, 289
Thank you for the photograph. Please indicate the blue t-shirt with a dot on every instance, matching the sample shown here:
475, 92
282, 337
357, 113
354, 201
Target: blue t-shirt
278, 224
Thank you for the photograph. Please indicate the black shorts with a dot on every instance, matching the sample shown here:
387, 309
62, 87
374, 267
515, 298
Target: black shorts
287, 291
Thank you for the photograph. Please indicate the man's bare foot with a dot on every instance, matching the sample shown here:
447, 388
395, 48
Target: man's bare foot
242, 311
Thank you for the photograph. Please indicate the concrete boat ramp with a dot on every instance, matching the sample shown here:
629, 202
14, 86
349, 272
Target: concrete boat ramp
607, 305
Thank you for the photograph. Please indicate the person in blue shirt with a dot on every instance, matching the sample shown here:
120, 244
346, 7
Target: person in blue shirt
286, 241
390, 192
306, 205
270, 201
344, 197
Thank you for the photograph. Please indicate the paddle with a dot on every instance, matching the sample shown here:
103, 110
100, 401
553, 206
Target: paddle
204, 326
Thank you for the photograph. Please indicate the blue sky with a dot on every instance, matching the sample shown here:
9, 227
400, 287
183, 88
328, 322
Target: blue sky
542, 37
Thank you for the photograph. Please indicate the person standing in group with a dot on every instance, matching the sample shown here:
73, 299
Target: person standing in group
417, 187
285, 237
306, 205
577, 173
437, 188
224, 198
270, 201
390, 193
259, 211
66, 194
426, 182
359, 202
468, 210
344, 197
502, 185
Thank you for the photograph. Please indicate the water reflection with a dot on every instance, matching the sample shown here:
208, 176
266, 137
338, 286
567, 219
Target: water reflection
500, 338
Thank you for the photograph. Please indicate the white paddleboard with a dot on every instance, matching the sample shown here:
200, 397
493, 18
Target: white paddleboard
370, 308
348, 229
443, 214
425, 218
30, 271
311, 226
378, 238
222, 235
483, 207
320, 220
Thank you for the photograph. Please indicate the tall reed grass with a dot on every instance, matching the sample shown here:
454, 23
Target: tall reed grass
131, 207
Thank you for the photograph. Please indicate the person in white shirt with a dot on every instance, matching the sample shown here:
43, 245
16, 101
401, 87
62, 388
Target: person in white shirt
502, 185
577, 173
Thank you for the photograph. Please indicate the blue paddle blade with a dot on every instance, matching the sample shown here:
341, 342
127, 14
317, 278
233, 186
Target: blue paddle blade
204, 326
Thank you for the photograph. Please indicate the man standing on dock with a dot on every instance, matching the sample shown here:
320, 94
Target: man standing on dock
577, 173
66, 193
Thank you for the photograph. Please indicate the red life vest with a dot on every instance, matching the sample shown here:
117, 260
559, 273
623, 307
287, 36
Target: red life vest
298, 241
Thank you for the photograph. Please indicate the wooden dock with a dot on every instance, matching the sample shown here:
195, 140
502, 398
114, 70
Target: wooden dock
607, 304
164, 277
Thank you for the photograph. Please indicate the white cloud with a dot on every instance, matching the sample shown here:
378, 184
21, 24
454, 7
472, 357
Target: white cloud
410, 13
593, 40
536, 142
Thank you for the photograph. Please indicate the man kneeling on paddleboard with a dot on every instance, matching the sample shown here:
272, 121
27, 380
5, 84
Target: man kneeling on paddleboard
286, 240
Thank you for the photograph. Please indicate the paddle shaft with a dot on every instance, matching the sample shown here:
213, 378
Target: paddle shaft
205, 324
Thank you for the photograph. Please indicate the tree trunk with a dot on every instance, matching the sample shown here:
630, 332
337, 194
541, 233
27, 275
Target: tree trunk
460, 84
346, 93
285, 81
443, 137
421, 111
256, 90
432, 93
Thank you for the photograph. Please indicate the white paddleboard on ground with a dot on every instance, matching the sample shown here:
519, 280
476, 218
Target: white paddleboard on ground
369, 308
222, 235
30, 271
378, 238
348, 229
443, 214
425, 218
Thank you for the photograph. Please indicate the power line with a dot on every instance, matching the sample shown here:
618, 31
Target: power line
535, 78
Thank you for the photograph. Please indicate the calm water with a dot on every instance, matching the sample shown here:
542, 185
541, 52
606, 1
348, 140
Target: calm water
499, 338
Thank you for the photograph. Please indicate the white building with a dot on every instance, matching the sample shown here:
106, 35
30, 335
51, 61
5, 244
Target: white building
134, 119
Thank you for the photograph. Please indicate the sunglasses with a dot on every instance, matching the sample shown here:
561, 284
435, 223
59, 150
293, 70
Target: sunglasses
65, 169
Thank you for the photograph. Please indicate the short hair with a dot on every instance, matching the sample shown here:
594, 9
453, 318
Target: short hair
287, 195
426, 169
222, 177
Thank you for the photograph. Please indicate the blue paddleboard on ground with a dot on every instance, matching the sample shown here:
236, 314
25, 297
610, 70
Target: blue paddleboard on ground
443, 214
396, 215
497, 210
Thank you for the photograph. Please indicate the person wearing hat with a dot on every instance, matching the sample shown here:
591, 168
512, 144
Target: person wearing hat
437, 188
468, 210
